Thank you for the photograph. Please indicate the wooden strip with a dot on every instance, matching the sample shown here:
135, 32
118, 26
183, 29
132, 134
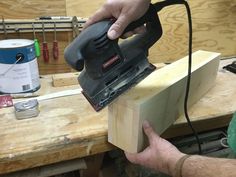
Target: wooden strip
159, 99
54, 95
66, 79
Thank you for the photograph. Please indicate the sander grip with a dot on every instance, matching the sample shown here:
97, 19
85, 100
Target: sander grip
147, 17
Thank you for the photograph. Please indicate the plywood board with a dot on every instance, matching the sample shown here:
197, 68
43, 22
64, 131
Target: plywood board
82, 8
28, 9
214, 24
159, 99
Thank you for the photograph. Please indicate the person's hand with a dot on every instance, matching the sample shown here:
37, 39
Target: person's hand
125, 11
160, 155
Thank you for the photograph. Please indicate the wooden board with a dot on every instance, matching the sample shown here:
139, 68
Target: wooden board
159, 99
82, 7
66, 128
31, 8
214, 24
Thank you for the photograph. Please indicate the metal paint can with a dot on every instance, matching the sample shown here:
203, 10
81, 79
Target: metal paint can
18, 66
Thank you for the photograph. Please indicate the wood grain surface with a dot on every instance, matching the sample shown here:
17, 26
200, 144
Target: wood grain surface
21, 9
66, 128
159, 99
82, 8
214, 24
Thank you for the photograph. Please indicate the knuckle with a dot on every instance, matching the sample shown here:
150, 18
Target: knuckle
90, 20
108, 4
117, 26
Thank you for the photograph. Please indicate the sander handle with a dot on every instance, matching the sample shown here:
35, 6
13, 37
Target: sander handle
147, 17
145, 40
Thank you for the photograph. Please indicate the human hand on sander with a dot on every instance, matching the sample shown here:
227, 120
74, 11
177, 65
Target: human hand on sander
125, 11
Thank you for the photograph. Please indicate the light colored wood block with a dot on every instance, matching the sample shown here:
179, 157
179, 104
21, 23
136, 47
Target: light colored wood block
65, 79
159, 99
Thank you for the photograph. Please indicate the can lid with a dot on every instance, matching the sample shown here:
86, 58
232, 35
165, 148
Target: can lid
15, 43
26, 105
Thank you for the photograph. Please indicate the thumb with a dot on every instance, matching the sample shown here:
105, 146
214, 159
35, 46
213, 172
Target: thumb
118, 27
149, 132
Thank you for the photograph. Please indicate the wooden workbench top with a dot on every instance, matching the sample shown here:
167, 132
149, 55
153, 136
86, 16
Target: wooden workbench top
68, 127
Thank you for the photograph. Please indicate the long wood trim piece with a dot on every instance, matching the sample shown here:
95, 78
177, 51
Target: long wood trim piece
159, 99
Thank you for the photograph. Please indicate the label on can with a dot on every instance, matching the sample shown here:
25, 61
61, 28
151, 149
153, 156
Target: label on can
18, 66
21, 78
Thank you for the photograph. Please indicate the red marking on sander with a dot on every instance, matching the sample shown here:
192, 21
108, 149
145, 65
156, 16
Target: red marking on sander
5, 101
110, 61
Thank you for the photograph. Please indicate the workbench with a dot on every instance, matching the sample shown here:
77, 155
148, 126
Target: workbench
68, 127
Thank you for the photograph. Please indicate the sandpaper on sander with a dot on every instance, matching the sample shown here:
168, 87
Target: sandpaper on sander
109, 68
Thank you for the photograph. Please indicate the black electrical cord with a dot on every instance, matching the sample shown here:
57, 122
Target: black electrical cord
158, 7
189, 77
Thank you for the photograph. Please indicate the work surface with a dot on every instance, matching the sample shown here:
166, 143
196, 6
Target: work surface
68, 127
